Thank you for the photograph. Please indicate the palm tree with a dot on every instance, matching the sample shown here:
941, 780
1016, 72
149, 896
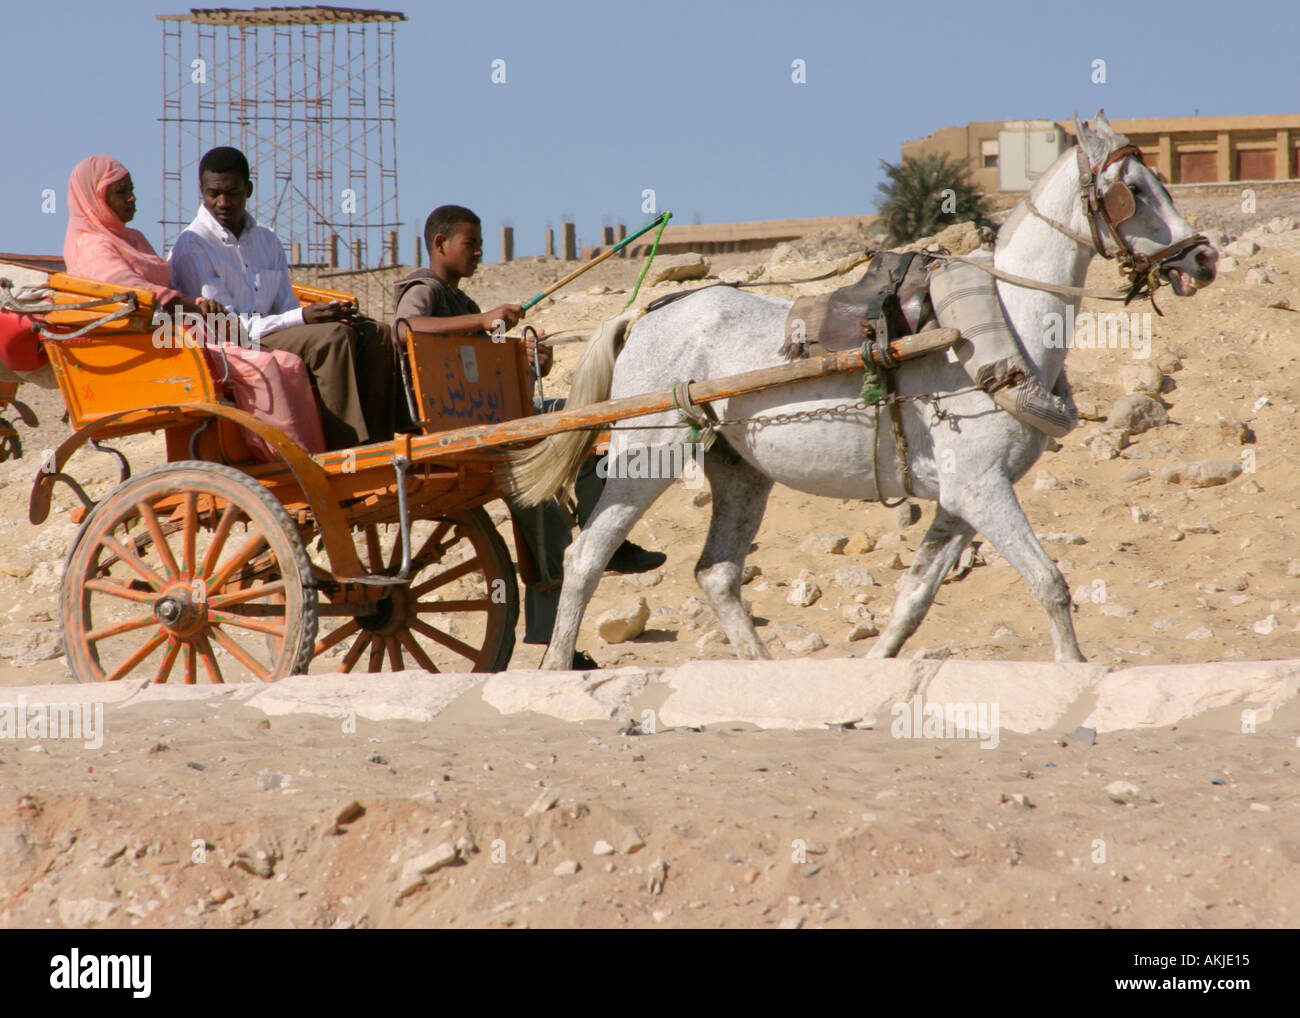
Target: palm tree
913, 202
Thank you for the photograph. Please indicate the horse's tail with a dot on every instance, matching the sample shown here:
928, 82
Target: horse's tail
534, 474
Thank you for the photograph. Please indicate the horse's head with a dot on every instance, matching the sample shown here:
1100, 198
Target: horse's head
1131, 216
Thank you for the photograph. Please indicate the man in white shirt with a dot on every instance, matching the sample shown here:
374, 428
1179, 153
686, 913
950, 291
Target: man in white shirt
224, 255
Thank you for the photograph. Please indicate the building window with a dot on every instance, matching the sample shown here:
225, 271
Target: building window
989, 153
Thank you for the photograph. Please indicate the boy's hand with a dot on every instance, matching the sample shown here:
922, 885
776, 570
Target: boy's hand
507, 313
208, 306
325, 311
539, 353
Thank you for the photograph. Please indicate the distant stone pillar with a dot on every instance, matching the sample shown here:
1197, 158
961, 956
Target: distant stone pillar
622, 235
570, 242
1225, 169
417, 252
550, 243
357, 250
507, 243
607, 236
392, 247
332, 260
295, 253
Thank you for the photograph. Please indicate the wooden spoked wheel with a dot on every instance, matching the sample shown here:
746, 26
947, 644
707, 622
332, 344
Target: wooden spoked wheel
456, 613
186, 569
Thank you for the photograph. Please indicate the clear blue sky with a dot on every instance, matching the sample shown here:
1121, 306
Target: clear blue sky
693, 99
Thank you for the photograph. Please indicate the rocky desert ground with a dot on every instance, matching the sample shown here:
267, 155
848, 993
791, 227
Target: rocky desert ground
1171, 510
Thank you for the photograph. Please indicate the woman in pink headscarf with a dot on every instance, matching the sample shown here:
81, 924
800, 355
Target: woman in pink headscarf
271, 384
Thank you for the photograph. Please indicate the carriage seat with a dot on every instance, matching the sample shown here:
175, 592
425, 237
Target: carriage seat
121, 366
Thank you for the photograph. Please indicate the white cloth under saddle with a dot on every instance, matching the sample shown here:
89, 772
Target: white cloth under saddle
965, 298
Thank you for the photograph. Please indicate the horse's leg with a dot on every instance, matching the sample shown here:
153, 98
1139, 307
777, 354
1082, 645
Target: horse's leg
996, 513
739, 499
937, 554
622, 503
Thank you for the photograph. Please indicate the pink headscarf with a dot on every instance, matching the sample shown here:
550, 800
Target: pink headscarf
98, 245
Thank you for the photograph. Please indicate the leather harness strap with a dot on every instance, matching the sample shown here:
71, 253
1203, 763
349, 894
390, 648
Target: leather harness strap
900, 446
878, 345
1138, 267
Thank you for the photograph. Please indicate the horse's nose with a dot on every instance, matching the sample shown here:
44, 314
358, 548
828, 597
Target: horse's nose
1206, 259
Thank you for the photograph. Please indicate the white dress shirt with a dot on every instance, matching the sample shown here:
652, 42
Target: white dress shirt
248, 274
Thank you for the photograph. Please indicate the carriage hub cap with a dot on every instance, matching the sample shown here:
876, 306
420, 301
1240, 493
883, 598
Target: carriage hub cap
389, 614
175, 610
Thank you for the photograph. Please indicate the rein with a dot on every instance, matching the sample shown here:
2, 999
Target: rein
1032, 284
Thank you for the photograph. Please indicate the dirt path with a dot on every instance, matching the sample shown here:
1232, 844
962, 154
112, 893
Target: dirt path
741, 828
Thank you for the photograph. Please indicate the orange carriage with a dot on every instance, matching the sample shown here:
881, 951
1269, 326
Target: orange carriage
217, 565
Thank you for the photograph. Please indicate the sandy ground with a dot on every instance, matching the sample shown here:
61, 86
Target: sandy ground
912, 834
170, 824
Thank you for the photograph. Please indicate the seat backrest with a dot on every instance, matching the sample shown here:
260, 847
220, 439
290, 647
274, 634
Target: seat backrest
126, 364
72, 290
312, 294
464, 380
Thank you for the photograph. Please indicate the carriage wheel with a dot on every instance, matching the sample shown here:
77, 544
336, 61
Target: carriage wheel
189, 567
456, 614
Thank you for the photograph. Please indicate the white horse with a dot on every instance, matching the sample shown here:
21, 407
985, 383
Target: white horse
1070, 213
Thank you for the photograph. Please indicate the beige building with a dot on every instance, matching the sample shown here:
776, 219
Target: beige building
1182, 150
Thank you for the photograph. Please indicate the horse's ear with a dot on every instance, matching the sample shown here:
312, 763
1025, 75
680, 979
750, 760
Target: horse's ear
1093, 147
1109, 138
1080, 132
1101, 126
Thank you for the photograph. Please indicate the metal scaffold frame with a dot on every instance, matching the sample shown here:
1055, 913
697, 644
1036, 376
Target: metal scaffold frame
308, 94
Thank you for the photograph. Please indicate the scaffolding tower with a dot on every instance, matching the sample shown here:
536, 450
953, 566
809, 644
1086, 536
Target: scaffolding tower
307, 93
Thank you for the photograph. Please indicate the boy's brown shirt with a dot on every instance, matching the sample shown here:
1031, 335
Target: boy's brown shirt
422, 294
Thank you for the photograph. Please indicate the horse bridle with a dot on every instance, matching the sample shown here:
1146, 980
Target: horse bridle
1105, 211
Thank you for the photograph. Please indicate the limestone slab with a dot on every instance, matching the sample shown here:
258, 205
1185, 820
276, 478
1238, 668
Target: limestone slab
385, 696
1154, 695
789, 694
1030, 695
73, 692
568, 696
168, 692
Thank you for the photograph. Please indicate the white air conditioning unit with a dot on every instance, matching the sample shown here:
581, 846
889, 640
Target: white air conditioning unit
1026, 148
